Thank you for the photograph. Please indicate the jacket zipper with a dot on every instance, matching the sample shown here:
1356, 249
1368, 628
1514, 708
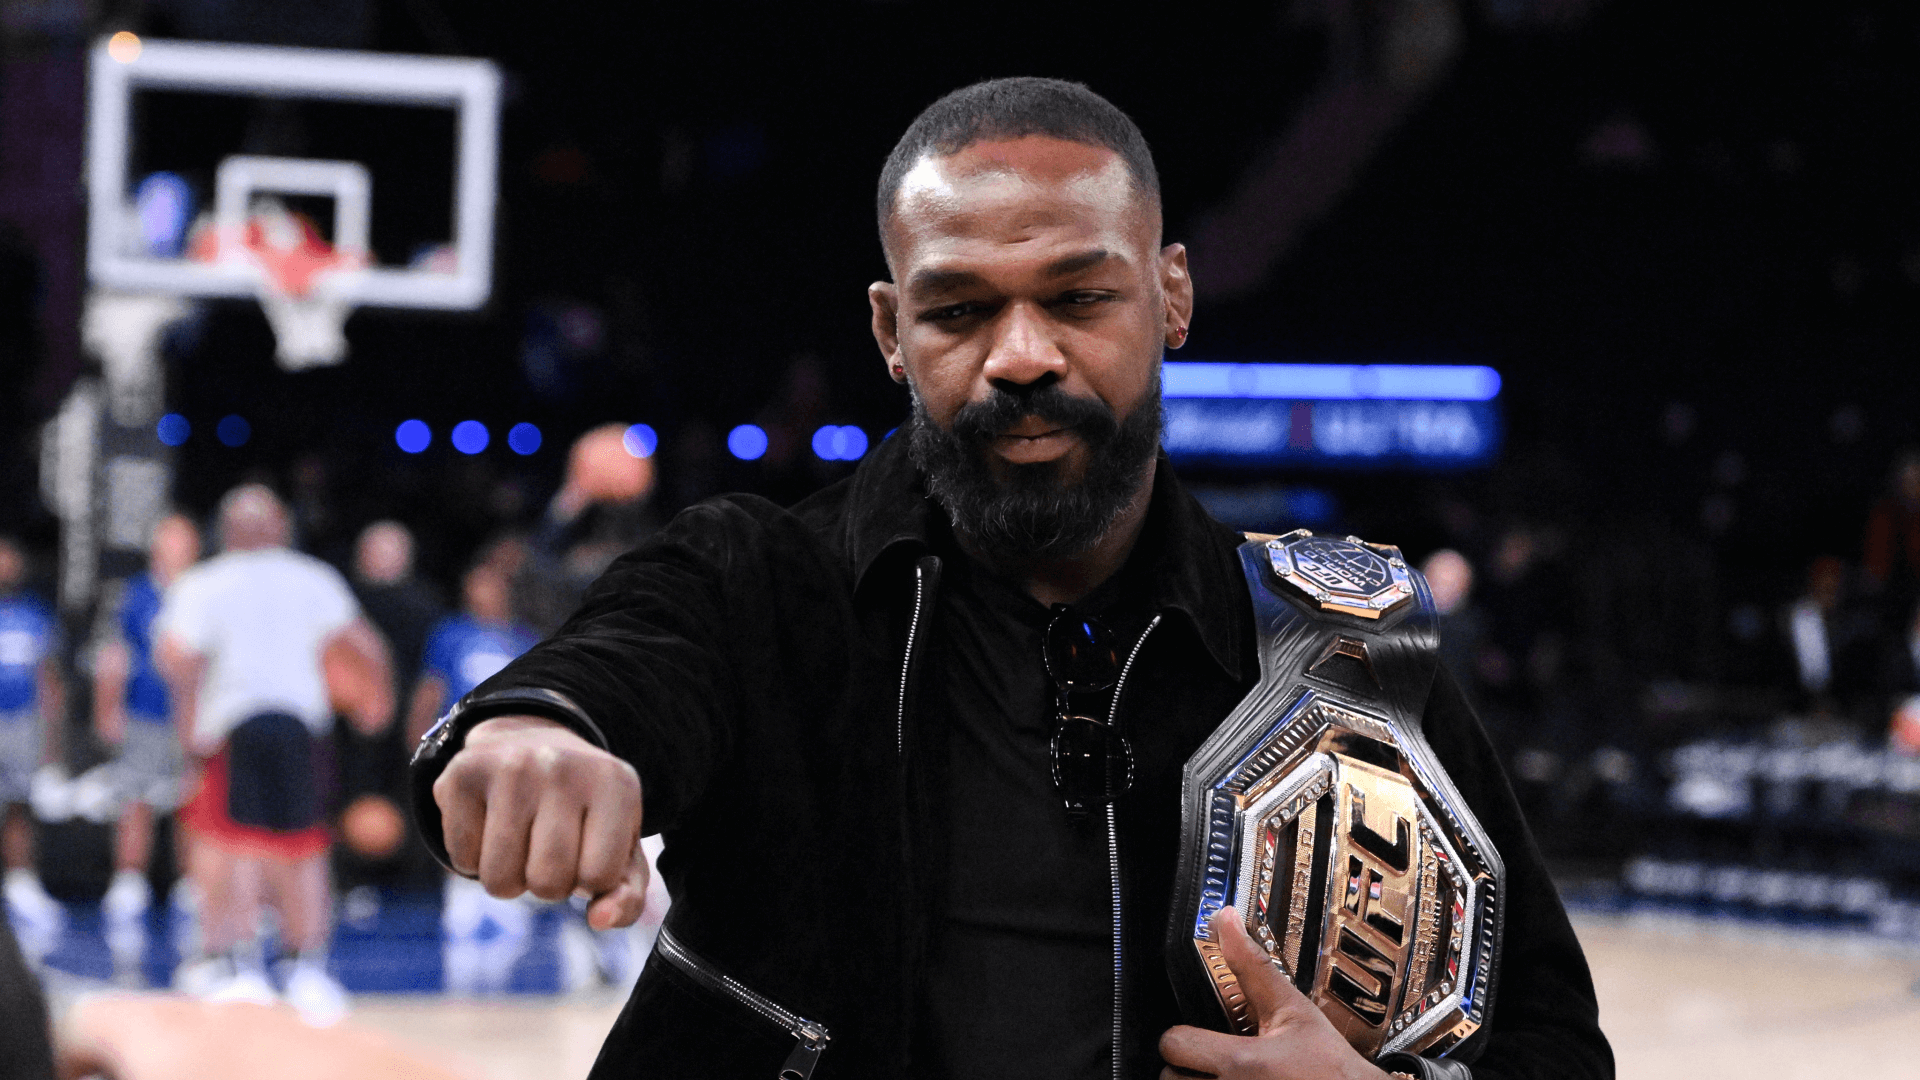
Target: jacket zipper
906, 664
810, 1038
1113, 864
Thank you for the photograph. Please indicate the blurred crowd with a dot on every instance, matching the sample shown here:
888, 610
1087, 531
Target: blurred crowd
243, 729
1592, 658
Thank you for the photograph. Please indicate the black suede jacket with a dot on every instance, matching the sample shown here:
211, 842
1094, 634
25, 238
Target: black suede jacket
758, 666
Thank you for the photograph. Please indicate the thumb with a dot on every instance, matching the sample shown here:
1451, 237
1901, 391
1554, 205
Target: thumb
622, 904
1269, 991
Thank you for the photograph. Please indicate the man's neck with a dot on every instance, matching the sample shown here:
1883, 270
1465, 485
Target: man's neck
1064, 581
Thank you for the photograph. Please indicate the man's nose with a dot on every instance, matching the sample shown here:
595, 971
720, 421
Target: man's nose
1023, 351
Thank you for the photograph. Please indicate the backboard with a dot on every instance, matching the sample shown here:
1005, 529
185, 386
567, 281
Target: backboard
189, 149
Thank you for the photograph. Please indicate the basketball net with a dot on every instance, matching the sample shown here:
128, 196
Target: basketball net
305, 285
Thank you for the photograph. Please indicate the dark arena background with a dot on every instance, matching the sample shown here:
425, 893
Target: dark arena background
1614, 305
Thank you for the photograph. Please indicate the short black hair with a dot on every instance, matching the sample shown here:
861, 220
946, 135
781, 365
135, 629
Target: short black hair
1010, 109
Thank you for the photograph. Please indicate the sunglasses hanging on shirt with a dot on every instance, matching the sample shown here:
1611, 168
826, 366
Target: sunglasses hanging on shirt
1092, 762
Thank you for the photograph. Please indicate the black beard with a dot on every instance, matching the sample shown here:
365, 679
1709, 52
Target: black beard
1032, 513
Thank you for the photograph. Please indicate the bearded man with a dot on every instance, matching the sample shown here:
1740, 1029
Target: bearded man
896, 843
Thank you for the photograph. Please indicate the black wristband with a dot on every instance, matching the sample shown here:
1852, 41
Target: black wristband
1425, 1068
449, 735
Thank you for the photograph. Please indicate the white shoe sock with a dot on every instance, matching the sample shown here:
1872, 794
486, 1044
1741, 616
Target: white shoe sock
27, 895
128, 897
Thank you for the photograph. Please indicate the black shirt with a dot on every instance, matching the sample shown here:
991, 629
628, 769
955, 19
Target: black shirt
1020, 973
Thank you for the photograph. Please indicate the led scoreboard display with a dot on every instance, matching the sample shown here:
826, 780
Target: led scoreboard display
1424, 416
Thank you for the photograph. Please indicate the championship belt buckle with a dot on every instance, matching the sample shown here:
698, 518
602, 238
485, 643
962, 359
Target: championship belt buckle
1318, 812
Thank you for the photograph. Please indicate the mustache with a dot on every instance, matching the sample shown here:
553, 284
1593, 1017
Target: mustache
979, 422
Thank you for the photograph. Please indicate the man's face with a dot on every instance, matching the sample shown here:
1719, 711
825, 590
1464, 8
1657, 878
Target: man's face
176, 546
1028, 313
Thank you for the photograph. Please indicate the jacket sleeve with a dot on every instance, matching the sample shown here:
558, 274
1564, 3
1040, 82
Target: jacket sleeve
1546, 1020
643, 667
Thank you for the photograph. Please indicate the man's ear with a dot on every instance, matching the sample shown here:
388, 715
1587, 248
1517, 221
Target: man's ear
1177, 286
884, 297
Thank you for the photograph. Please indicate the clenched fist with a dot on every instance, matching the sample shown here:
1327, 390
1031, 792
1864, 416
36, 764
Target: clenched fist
528, 806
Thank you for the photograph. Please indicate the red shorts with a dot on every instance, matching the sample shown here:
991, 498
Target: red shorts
205, 816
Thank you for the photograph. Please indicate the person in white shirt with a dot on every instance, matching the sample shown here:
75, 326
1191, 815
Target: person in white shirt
259, 645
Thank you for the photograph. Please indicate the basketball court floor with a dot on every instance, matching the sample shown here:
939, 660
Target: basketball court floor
1681, 997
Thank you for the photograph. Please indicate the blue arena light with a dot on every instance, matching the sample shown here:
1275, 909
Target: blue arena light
747, 442
413, 436
523, 439
1320, 382
164, 203
640, 440
233, 430
837, 443
173, 429
470, 436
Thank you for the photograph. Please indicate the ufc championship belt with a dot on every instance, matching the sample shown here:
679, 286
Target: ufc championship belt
1318, 812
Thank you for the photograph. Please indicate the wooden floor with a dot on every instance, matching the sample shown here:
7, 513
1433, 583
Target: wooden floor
1681, 1000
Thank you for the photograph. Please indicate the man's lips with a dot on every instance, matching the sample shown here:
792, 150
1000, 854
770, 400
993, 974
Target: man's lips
1034, 440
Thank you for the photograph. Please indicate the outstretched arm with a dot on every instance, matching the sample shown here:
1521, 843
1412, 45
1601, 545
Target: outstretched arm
359, 676
534, 781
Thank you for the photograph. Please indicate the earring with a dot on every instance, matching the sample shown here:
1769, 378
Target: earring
899, 371
1179, 336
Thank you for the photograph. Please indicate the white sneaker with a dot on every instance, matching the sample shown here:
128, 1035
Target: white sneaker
317, 996
127, 898
124, 910
198, 976
242, 983
38, 919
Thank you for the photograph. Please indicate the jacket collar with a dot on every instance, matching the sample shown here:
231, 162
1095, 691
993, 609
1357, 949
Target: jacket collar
1193, 564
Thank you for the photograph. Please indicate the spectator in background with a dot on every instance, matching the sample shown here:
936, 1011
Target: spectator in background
373, 774
599, 513
1826, 636
132, 711
1462, 626
401, 606
31, 712
467, 648
258, 646
1893, 531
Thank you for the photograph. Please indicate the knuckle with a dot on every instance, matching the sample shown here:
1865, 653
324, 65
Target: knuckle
599, 879
547, 886
503, 887
446, 789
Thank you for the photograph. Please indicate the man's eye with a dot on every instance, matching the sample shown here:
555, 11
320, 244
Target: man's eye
954, 311
1082, 300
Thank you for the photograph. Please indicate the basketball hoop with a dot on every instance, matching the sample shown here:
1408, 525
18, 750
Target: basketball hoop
306, 286
309, 328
